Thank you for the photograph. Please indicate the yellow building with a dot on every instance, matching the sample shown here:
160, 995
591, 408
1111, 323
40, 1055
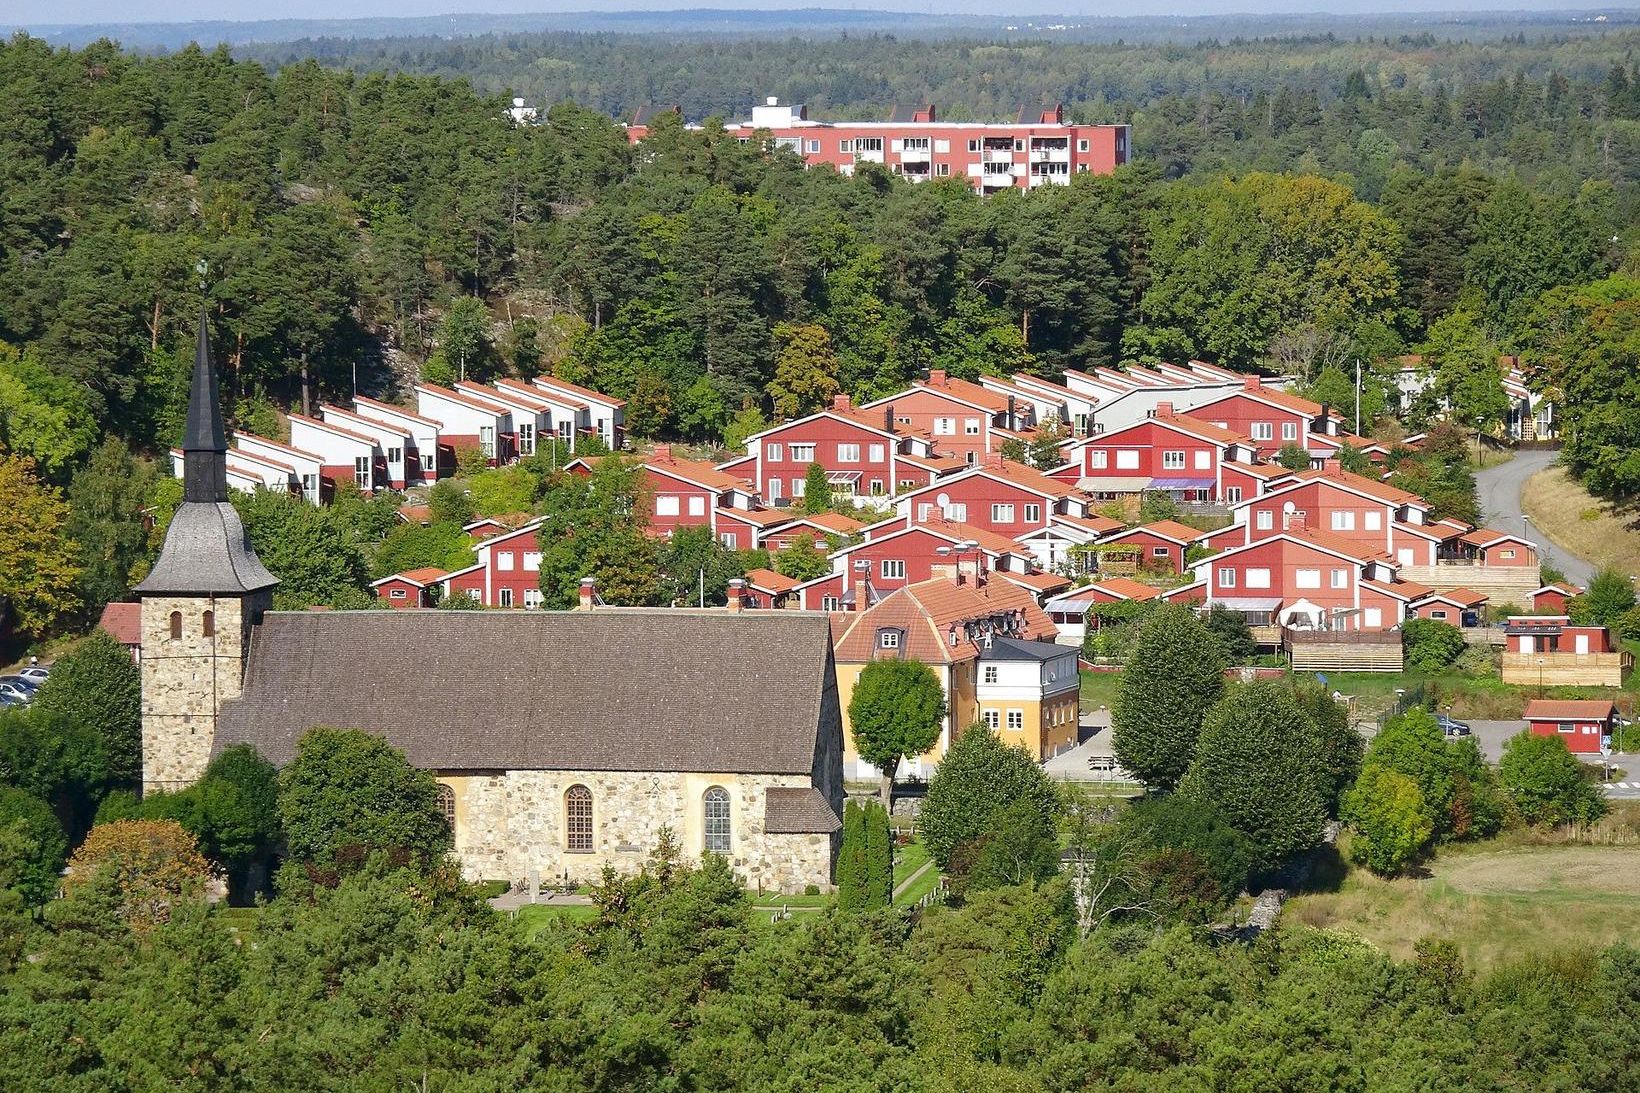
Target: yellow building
991, 647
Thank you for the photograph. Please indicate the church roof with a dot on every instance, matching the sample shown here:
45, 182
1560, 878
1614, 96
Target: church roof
206, 552
798, 810
609, 689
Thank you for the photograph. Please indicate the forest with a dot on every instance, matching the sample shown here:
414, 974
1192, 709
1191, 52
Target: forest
1293, 206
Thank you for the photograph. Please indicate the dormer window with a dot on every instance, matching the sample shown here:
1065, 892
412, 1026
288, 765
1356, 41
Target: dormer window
890, 638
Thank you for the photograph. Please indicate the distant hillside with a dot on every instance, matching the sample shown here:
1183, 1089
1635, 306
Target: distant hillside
317, 34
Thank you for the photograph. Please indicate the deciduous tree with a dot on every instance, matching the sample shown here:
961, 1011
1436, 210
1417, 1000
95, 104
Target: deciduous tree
1174, 674
895, 713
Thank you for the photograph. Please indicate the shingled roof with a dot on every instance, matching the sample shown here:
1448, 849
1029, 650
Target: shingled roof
613, 689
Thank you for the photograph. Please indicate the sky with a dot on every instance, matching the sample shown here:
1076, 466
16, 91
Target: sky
25, 13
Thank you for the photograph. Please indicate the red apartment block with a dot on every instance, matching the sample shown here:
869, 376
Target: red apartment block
1037, 148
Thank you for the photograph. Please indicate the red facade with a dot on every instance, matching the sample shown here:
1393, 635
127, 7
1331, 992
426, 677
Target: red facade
1270, 418
859, 459
1284, 570
507, 574
1006, 501
1177, 459
1038, 149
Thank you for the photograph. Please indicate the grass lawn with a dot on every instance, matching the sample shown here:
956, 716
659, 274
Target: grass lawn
535, 917
1099, 689
908, 859
918, 889
1576, 521
1494, 903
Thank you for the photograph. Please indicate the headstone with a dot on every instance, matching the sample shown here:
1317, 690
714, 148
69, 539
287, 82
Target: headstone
534, 882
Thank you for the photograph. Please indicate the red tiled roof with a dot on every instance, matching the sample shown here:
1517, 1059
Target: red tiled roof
1438, 532
697, 471
416, 514
1468, 597
1350, 548
768, 580
542, 394
967, 392
988, 540
1040, 582
1361, 483
1127, 588
462, 398
326, 409
1166, 529
123, 622
1204, 429
332, 427
254, 457
388, 406
763, 518
1481, 537
928, 610
834, 522
1099, 525
311, 457
577, 389
421, 577
934, 462
1555, 709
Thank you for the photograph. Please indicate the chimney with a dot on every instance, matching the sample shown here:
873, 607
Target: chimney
737, 590
888, 418
663, 453
1013, 419
1251, 383
840, 402
995, 460
589, 593
1319, 425
1164, 409
861, 597
936, 377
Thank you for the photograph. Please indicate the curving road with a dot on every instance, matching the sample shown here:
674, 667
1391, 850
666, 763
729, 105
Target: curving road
1499, 490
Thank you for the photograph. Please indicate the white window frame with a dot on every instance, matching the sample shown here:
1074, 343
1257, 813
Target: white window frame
945, 426
1098, 459
504, 561
1033, 514
893, 569
1265, 520
1204, 459
1127, 459
505, 597
848, 453
697, 505
1289, 430
1307, 578
888, 639
1227, 576
773, 452
1257, 577
802, 453
1173, 461
993, 720
667, 505
1343, 520
1232, 495
532, 561
970, 426
1340, 578
990, 674
1016, 720
876, 453
1372, 520
1263, 430
1002, 513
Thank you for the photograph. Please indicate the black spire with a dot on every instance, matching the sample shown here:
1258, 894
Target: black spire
204, 443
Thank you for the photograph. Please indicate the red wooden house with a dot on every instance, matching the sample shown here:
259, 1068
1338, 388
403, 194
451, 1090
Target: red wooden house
1459, 607
1178, 454
1490, 547
865, 454
1000, 496
899, 552
960, 416
1307, 580
1585, 726
821, 528
1378, 516
507, 573
768, 590
412, 588
1162, 544
1551, 598
1271, 418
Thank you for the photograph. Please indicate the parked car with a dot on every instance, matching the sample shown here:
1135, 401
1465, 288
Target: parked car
18, 688
37, 672
1451, 726
9, 700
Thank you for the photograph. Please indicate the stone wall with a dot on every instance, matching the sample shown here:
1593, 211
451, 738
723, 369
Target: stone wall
510, 823
185, 681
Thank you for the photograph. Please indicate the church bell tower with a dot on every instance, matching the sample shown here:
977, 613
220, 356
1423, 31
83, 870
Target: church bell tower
206, 592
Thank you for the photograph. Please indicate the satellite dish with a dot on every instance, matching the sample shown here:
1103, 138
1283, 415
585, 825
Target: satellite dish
943, 500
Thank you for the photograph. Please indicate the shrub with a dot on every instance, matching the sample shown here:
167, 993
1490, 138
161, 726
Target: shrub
1019, 847
1234, 635
865, 868
1431, 645
1478, 660
31, 846
1547, 783
1186, 826
979, 778
1390, 821
150, 865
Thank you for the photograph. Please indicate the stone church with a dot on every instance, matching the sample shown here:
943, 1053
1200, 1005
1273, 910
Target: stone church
562, 741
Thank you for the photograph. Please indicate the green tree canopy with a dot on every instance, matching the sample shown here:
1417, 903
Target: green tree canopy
1546, 782
978, 778
895, 713
1175, 672
98, 689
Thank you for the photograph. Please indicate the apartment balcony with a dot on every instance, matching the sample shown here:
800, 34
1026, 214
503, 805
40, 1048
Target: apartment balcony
989, 156
916, 155
1050, 155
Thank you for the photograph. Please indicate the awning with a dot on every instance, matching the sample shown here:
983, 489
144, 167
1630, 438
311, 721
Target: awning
1078, 600
1182, 484
1130, 484
1250, 603
842, 476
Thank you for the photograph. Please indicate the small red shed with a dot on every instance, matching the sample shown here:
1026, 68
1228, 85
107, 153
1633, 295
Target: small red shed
1583, 724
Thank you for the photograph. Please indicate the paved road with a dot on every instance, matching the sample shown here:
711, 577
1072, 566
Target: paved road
1499, 490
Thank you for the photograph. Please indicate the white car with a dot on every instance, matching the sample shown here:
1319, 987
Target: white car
36, 672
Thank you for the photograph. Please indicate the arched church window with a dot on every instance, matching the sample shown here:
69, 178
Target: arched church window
578, 819
446, 798
176, 626
208, 624
715, 807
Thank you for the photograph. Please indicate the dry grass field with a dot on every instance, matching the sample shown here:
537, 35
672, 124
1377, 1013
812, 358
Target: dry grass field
1496, 904
1577, 521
